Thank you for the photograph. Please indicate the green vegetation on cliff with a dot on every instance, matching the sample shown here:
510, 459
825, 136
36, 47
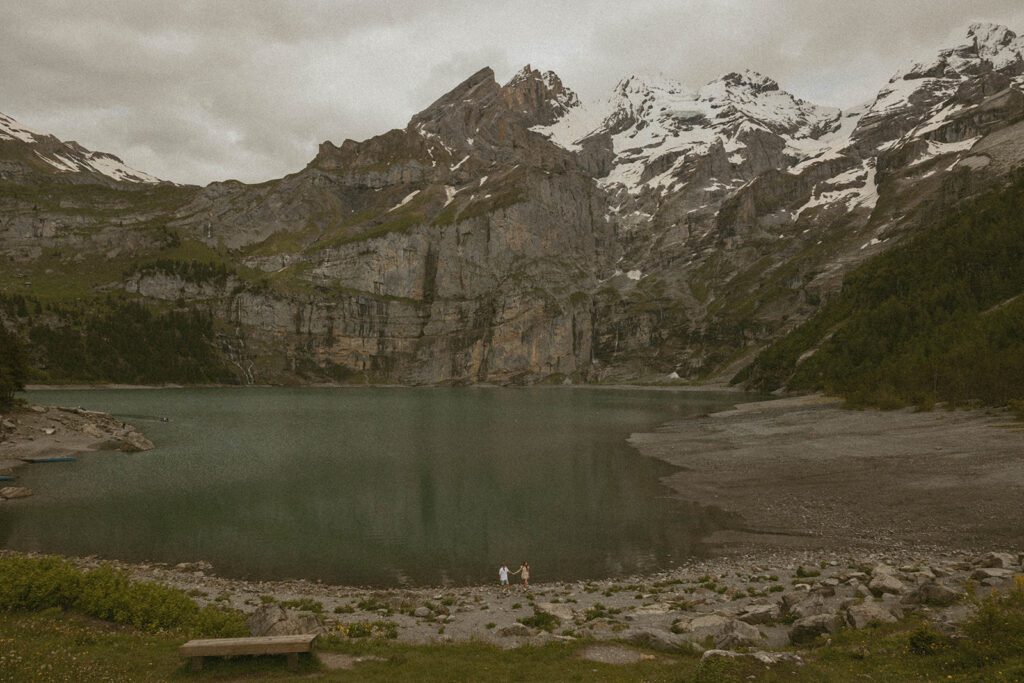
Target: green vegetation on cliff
12, 367
939, 317
125, 341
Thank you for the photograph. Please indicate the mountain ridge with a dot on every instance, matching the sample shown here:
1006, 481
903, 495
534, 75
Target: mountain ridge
499, 237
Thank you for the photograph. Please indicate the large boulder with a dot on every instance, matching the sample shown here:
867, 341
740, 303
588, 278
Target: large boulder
760, 614
558, 609
655, 639
978, 575
818, 604
725, 632
809, 628
885, 583
274, 620
998, 560
15, 492
932, 594
516, 631
868, 614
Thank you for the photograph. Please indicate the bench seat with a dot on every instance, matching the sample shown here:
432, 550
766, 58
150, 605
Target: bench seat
262, 645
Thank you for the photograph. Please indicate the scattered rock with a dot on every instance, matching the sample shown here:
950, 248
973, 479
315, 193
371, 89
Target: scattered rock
656, 608
421, 613
8, 492
613, 654
766, 658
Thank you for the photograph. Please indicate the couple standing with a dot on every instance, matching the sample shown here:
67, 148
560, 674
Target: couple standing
523, 571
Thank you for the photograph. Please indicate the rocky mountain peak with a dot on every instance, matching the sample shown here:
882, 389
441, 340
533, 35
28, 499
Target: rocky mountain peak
748, 81
477, 89
987, 47
540, 96
990, 39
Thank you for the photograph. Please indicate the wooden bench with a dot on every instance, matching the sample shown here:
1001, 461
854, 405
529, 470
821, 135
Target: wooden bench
195, 650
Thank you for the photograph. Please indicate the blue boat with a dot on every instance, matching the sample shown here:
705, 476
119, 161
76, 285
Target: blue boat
5, 477
48, 458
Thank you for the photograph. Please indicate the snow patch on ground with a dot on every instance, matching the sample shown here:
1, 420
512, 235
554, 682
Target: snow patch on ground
408, 198
862, 194
12, 130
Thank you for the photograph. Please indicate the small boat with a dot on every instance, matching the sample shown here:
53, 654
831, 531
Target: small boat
48, 458
7, 477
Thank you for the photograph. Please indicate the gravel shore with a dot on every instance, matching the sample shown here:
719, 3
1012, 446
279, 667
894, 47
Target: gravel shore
804, 473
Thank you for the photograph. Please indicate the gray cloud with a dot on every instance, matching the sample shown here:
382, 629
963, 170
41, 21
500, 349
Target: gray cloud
199, 91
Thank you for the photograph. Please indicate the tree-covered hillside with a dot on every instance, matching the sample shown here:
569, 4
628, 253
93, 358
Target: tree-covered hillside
937, 318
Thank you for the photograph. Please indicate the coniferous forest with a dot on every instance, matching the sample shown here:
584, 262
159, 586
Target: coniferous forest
938, 318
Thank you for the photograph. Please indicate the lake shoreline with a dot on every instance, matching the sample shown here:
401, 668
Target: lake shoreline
813, 553
44, 431
804, 473
699, 388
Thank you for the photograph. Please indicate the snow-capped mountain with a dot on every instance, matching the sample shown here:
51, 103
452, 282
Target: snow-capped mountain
512, 233
48, 154
657, 128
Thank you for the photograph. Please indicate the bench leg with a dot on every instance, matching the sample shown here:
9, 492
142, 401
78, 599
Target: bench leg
293, 661
197, 663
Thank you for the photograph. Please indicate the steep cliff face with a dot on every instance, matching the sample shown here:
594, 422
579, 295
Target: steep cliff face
511, 233
740, 207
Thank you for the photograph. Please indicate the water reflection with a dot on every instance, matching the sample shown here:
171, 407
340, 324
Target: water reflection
372, 486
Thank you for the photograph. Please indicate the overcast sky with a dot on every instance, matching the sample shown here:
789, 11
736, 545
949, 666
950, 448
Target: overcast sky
200, 91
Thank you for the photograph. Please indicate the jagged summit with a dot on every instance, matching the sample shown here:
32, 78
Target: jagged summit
749, 80
541, 96
42, 152
990, 40
985, 47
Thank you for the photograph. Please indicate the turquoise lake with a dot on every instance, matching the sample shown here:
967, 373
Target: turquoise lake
372, 486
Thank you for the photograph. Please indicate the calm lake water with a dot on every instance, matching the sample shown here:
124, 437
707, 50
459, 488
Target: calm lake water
371, 486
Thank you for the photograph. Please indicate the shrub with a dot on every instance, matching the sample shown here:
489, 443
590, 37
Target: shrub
926, 641
30, 585
304, 604
541, 620
36, 584
599, 611
369, 629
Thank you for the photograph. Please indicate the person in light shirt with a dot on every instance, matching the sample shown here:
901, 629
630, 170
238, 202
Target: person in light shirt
503, 576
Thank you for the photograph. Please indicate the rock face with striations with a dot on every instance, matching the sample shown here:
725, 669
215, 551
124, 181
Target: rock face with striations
510, 233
